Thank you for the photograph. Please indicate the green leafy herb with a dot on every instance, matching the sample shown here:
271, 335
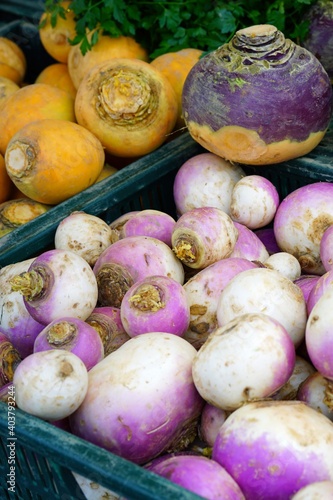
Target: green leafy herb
166, 26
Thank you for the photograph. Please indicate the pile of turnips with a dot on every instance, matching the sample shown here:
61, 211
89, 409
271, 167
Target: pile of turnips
194, 344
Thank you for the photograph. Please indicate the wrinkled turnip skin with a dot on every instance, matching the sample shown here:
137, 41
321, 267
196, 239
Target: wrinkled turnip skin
224, 92
319, 335
300, 222
203, 236
205, 180
248, 245
249, 358
15, 321
166, 311
203, 291
72, 288
200, 475
141, 399
274, 448
264, 290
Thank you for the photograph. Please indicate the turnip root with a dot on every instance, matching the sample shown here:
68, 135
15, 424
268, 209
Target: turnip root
274, 448
248, 245
254, 201
323, 283
50, 384
326, 248
266, 291
130, 259
155, 303
141, 400
203, 236
249, 358
284, 263
212, 481
306, 282
205, 180
302, 369
317, 392
203, 291
211, 420
58, 283
73, 335
85, 234
267, 236
9, 360
315, 491
107, 322
15, 320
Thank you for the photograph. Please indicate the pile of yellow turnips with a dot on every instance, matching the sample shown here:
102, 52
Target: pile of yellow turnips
85, 116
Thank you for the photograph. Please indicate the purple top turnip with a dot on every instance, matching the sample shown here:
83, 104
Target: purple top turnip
107, 322
251, 101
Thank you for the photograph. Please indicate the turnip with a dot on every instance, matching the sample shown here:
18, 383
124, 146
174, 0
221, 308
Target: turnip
267, 236
85, 234
50, 384
274, 448
205, 180
130, 259
251, 101
203, 291
317, 392
263, 290
73, 335
306, 282
300, 222
315, 491
254, 201
15, 320
323, 283
149, 222
107, 322
9, 360
141, 400
248, 245
302, 369
326, 248
203, 236
319, 335
249, 358
58, 283
212, 481
155, 303
211, 420
284, 263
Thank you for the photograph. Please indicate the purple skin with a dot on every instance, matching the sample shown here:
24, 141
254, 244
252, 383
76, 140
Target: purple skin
248, 245
205, 180
130, 259
211, 420
306, 282
218, 83
203, 291
300, 222
203, 236
320, 36
149, 223
274, 448
107, 322
141, 399
322, 284
267, 236
201, 475
316, 391
67, 287
74, 335
155, 304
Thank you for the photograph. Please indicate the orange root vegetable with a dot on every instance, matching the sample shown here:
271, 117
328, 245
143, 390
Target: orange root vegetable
128, 104
55, 40
105, 49
52, 160
176, 66
15, 213
57, 74
13, 62
6, 185
7, 88
33, 102
106, 172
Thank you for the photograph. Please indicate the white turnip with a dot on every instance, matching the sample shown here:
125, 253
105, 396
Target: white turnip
284, 263
317, 392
